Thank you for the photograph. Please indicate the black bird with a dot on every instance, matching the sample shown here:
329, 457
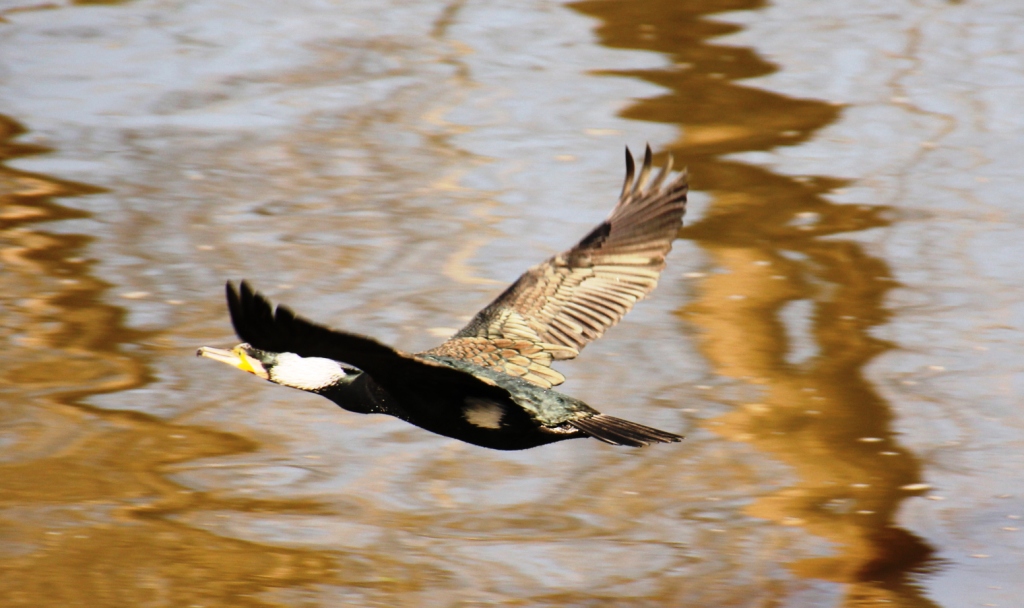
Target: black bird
490, 384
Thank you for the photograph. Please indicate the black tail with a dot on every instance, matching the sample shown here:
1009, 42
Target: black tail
617, 431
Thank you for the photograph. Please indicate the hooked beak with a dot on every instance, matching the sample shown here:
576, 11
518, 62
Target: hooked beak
235, 357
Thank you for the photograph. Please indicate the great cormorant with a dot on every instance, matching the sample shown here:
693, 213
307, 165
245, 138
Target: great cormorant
490, 384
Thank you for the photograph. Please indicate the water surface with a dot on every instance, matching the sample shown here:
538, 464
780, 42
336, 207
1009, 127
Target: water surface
835, 334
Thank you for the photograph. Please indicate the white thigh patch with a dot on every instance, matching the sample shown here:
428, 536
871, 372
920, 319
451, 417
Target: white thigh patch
483, 412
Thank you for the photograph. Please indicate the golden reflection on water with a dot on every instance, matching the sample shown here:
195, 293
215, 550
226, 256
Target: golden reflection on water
86, 517
816, 412
89, 514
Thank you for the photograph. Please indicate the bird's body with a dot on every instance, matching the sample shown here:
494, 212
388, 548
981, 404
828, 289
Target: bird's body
490, 384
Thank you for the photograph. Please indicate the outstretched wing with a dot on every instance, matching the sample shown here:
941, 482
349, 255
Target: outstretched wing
555, 308
277, 329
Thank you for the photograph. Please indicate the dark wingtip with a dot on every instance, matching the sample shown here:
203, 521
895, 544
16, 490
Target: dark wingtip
231, 292
251, 313
630, 172
260, 322
234, 306
645, 171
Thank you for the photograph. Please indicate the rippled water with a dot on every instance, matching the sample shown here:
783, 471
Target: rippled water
838, 331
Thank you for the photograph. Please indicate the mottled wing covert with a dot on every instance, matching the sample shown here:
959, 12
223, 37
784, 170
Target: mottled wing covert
555, 308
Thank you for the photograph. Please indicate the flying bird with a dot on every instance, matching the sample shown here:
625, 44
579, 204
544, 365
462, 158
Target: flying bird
491, 383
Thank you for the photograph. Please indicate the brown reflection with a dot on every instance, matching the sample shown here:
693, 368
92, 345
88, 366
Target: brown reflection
86, 518
816, 412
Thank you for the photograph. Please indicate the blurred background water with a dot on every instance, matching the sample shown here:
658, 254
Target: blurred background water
837, 333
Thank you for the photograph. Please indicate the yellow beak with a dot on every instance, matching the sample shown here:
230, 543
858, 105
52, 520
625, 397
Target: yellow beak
235, 357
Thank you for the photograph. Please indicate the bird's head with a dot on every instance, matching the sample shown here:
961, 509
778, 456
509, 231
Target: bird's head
288, 369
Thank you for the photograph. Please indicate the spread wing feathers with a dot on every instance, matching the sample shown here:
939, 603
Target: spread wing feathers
617, 431
277, 329
525, 359
572, 298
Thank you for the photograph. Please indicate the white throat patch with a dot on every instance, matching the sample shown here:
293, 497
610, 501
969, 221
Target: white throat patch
305, 373
483, 412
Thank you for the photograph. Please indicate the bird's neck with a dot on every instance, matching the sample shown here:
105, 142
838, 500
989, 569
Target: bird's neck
357, 392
